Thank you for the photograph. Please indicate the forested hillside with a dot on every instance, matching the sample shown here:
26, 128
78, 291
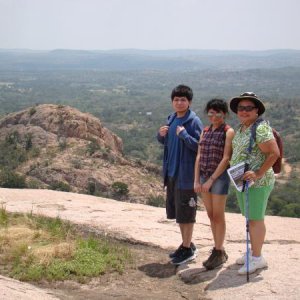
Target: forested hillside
130, 92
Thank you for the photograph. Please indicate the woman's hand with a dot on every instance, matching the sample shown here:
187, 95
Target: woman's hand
250, 176
197, 187
207, 185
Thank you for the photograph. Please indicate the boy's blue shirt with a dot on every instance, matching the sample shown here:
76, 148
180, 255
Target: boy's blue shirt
174, 146
188, 147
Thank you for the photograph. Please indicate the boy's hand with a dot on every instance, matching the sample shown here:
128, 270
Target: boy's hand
179, 129
163, 130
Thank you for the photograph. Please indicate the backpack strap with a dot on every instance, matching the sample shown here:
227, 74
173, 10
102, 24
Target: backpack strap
206, 128
226, 127
253, 134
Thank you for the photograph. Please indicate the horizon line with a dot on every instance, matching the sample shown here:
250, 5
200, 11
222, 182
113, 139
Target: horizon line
148, 50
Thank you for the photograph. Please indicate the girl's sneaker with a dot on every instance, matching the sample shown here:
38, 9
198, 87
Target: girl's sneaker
216, 260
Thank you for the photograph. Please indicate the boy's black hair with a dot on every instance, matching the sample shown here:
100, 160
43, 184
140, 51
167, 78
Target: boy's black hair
217, 105
182, 91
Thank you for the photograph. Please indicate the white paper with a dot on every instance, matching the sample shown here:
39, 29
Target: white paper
236, 173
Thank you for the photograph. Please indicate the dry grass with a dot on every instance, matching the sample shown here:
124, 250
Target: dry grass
33, 248
46, 254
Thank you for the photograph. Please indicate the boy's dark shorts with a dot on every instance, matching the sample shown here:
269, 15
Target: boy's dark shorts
180, 204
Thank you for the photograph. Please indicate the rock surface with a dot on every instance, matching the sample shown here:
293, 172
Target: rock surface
148, 225
11, 289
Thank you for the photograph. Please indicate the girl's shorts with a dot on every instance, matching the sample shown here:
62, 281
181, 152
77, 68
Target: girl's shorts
258, 200
220, 185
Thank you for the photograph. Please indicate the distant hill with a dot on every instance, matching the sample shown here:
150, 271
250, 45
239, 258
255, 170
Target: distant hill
132, 59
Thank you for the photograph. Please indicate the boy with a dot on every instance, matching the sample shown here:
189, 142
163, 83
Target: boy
180, 139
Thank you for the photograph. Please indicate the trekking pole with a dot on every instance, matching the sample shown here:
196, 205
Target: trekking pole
247, 228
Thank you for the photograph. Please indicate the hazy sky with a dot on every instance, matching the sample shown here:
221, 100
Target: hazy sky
150, 24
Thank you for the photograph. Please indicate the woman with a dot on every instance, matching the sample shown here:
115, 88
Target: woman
211, 179
263, 155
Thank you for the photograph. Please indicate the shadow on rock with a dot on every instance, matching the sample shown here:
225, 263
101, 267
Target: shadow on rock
226, 278
158, 270
197, 275
229, 278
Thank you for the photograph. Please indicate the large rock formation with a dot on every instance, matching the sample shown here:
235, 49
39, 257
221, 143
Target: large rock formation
48, 123
73, 149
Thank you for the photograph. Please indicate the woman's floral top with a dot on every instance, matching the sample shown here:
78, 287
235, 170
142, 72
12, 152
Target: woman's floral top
256, 158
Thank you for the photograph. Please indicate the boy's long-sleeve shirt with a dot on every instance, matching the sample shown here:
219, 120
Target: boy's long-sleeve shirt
188, 146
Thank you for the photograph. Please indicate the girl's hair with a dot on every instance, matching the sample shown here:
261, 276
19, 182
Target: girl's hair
217, 105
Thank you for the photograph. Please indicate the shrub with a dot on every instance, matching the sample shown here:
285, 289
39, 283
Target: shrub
3, 216
28, 141
76, 163
13, 138
291, 210
12, 155
35, 151
91, 187
157, 201
92, 147
62, 143
33, 184
120, 188
232, 203
32, 111
60, 186
9, 179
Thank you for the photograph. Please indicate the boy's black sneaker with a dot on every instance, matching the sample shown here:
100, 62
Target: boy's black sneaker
184, 255
174, 254
217, 260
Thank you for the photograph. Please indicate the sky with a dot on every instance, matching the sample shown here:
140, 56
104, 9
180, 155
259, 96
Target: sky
150, 24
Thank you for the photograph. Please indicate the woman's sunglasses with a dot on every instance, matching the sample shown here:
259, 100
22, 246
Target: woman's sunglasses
245, 108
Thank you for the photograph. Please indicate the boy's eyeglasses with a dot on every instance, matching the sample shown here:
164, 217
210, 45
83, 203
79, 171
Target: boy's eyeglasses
211, 114
245, 108
180, 100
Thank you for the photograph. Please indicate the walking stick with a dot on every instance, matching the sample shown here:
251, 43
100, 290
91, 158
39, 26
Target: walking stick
246, 187
247, 228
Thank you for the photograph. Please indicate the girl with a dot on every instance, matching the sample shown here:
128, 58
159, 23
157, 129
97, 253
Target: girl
211, 178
